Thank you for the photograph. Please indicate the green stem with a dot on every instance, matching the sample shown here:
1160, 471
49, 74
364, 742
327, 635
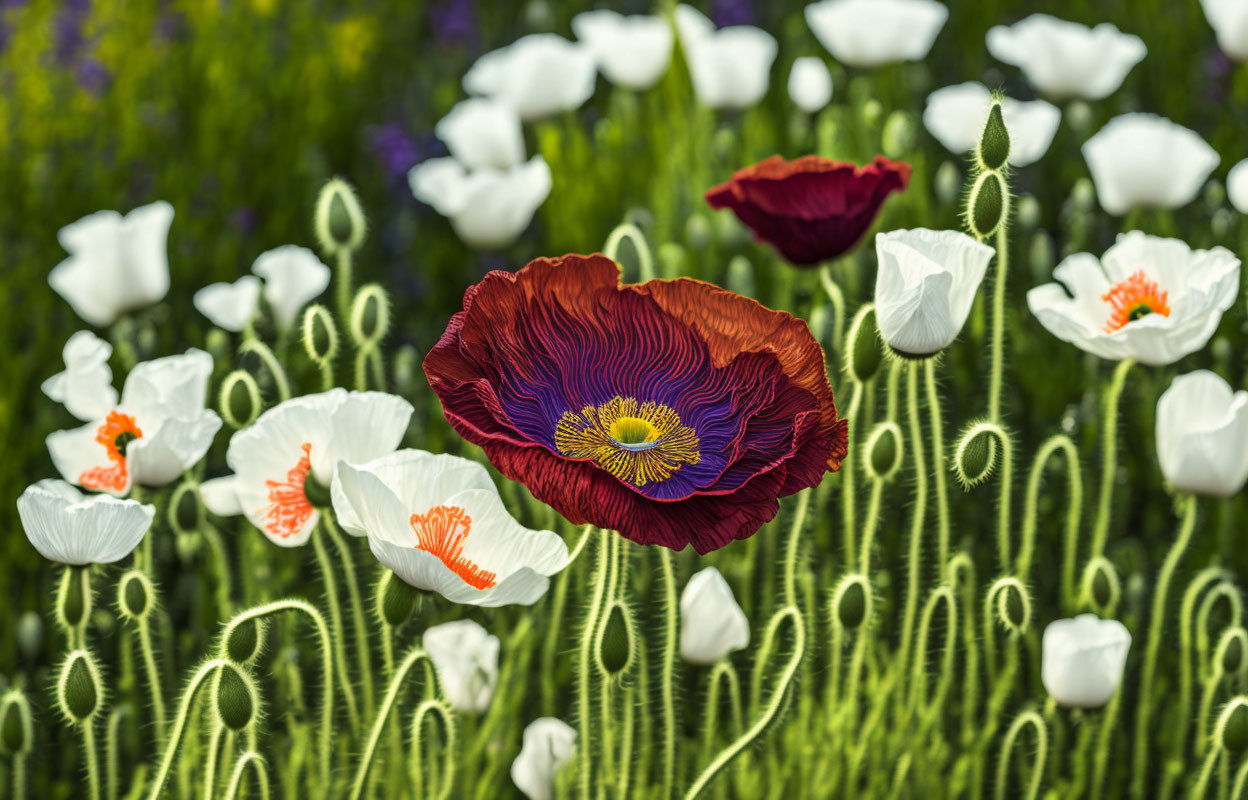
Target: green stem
154, 683
112, 738
667, 686
342, 284
1201, 787
917, 519
998, 326
210, 764
1156, 624
1058, 443
1109, 458
645, 263
364, 651
837, 298
387, 704
93, 764
1037, 764
794, 545
584, 674
335, 625
446, 777
276, 371
870, 526
938, 460
1104, 744
179, 725
257, 764
848, 487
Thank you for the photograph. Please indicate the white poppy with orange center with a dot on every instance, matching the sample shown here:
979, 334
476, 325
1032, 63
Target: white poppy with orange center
157, 431
1151, 299
283, 462
437, 521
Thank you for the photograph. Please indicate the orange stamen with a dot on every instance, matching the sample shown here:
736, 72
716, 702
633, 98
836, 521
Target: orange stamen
1133, 298
114, 475
288, 509
442, 533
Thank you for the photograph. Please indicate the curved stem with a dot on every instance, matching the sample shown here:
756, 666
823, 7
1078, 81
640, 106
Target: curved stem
387, 704
627, 230
667, 686
363, 646
848, 486
918, 677
1201, 787
257, 764
276, 371
1156, 625
938, 460
1103, 744
1058, 443
918, 516
335, 624
342, 284
1109, 458
584, 674
1037, 764
869, 527
154, 684
112, 736
998, 325
794, 545
1187, 608
179, 725
837, 298
446, 776
210, 765
771, 711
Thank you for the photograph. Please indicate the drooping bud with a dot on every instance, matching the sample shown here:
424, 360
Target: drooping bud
975, 457
1013, 604
851, 601
1231, 651
370, 315
186, 513
236, 703
320, 334
1232, 727
994, 142
15, 723
239, 399
340, 223
78, 688
1101, 587
397, 599
616, 640
863, 345
242, 641
883, 451
135, 595
987, 205
73, 597
948, 183
898, 137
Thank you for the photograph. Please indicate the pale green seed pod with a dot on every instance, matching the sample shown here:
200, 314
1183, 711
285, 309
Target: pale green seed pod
897, 140
16, 731
1231, 731
616, 646
987, 206
340, 223
863, 345
975, 456
948, 183
243, 641
370, 315
134, 595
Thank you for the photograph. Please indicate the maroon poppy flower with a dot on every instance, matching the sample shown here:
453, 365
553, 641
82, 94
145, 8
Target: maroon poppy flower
674, 412
811, 209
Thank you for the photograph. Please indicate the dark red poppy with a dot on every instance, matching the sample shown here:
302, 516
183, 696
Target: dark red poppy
810, 209
674, 412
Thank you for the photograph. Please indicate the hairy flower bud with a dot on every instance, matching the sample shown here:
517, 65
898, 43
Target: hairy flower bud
242, 641
135, 595
186, 513
239, 399
397, 599
73, 597
78, 687
851, 601
863, 346
994, 142
616, 637
1232, 647
15, 723
236, 702
320, 334
370, 315
975, 456
1013, 605
1100, 586
883, 450
1232, 728
987, 205
340, 223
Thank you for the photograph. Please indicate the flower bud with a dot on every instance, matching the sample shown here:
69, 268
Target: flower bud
987, 205
863, 347
398, 599
948, 183
898, 137
242, 641
135, 596
975, 457
741, 276
340, 223
217, 343
1013, 605
698, 231
672, 259
15, 726
1083, 195
74, 597
1100, 586
370, 315
615, 640
236, 703
30, 636
1082, 660
1232, 727
883, 451
406, 368
1041, 256
240, 399
994, 142
186, 514
320, 334
78, 688
852, 601
1029, 211
1232, 647
1079, 116
872, 110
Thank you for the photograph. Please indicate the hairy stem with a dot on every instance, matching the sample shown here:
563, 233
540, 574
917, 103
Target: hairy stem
1109, 458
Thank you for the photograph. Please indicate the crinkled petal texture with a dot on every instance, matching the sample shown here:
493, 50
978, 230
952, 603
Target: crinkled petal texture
229, 306
437, 521
810, 209
712, 624
872, 33
955, 115
1065, 59
1198, 286
85, 386
116, 264
1147, 161
632, 51
69, 527
548, 745
730, 68
674, 412
299, 440
1202, 435
1229, 20
482, 134
1083, 659
466, 658
925, 286
537, 75
293, 277
488, 208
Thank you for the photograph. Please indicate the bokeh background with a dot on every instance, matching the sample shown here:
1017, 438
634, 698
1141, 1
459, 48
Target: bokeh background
236, 111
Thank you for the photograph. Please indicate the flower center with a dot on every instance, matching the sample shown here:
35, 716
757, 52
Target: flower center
289, 509
636, 442
1132, 299
442, 532
115, 434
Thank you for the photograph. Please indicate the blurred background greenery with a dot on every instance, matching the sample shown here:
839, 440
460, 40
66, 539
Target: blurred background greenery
236, 111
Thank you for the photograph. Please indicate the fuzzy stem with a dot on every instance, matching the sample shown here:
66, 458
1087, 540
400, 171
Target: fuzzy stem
837, 298
154, 684
342, 283
1103, 745
918, 678
848, 511
89, 752
1156, 625
794, 545
387, 704
918, 516
938, 460
1186, 610
1058, 443
256, 762
179, 724
363, 646
210, 765
1109, 459
337, 633
964, 564
1037, 764
627, 230
112, 736
667, 686
276, 371
447, 775
584, 678
870, 526
1201, 787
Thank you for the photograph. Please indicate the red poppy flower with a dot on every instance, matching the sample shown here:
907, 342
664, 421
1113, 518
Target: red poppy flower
674, 412
810, 209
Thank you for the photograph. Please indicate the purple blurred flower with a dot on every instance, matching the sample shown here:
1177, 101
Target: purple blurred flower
396, 151
454, 21
67, 29
732, 12
93, 77
244, 219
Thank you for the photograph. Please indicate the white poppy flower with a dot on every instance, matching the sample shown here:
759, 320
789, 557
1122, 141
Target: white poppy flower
116, 264
549, 744
1229, 20
69, 527
159, 430
632, 51
85, 387
437, 521
1237, 186
712, 624
1202, 435
482, 133
229, 306
1148, 298
293, 277
466, 658
488, 208
730, 68
1083, 659
1065, 59
302, 438
537, 75
955, 115
1143, 160
924, 286
810, 84
872, 33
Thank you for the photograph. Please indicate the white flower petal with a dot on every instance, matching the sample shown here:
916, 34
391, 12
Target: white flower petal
1229, 20
229, 306
366, 425
872, 33
537, 75
1065, 59
1237, 186
549, 744
1147, 161
85, 387
712, 624
1083, 660
482, 133
180, 382
293, 277
220, 496
75, 451
160, 457
466, 658
488, 209
632, 51
70, 528
730, 68
1202, 435
955, 115
810, 84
